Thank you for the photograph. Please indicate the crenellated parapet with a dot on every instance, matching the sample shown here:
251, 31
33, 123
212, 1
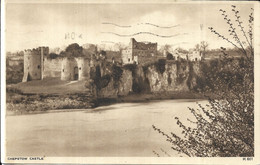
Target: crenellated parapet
37, 51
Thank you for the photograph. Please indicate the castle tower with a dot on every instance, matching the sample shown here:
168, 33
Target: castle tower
84, 68
33, 63
69, 69
132, 43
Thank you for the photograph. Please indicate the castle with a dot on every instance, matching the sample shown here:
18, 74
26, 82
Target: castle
138, 52
37, 66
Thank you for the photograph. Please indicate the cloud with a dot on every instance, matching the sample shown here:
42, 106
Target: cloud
32, 25
159, 18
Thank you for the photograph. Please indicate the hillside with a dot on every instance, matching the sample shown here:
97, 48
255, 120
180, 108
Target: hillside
50, 86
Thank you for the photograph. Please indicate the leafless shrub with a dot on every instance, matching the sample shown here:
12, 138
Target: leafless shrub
225, 126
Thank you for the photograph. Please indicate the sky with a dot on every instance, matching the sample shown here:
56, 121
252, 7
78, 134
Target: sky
60, 24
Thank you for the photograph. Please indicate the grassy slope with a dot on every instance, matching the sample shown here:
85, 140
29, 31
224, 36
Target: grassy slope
51, 86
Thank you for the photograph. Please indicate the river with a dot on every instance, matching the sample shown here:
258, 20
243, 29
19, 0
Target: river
123, 129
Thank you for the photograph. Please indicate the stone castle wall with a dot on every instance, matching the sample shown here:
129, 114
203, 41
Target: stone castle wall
127, 56
52, 67
138, 52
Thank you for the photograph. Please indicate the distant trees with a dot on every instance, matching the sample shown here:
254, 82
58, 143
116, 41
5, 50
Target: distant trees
165, 48
18, 53
181, 50
103, 54
202, 47
74, 50
119, 47
53, 56
197, 47
169, 56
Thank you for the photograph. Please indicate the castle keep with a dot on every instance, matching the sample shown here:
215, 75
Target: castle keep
138, 52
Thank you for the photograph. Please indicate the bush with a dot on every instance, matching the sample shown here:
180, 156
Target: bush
99, 81
169, 56
116, 74
104, 81
130, 67
160, 65
53, 56
74, 50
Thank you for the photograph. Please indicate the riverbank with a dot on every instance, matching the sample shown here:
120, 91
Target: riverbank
147, 97
24, 103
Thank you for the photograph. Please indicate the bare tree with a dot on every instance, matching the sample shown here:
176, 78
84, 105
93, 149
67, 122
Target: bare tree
120, 46
197, 47
165, 47
204, 46
225, 127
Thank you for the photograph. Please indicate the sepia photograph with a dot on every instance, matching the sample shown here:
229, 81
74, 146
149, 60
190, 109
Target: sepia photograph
90, 81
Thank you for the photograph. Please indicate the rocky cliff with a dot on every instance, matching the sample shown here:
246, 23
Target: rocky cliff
158, 77
170, 77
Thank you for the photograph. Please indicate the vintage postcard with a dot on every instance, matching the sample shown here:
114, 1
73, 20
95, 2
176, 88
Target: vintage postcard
130, 82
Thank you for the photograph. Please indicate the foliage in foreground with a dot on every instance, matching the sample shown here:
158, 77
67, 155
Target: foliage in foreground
225, 126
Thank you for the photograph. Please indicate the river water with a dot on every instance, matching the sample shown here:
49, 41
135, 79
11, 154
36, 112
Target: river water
123, 129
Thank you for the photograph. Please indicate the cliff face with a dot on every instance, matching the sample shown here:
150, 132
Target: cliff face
159, 77
196, 76
125, 83
120, 88
112, 81
173, 78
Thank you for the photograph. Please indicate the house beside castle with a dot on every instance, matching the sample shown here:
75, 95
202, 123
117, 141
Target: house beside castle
195, 56
138, 52
189, 56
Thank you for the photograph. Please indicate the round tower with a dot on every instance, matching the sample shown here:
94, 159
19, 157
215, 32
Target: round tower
69, 69
33, 63
84, 68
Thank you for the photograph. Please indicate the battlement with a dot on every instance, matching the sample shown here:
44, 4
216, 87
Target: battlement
37, 51
143, 45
